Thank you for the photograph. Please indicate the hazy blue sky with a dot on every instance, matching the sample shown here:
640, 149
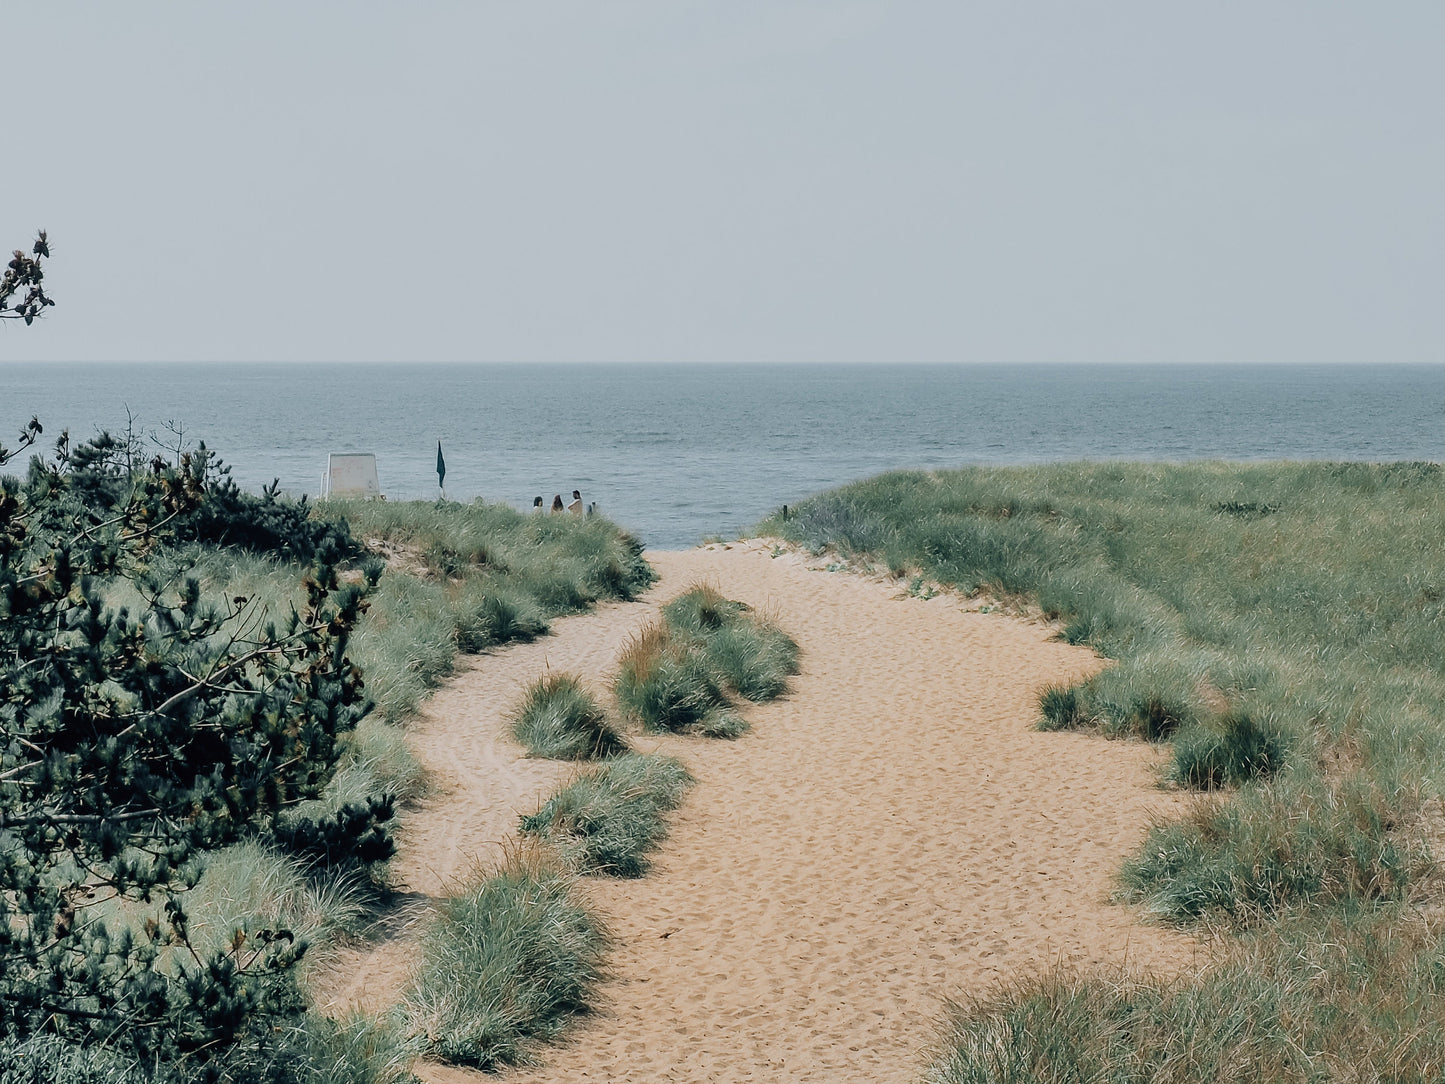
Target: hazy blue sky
680, 181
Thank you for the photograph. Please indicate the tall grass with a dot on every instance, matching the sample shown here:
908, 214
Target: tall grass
564, 562
1354, 1001
663, 681
558, 718
506, 964
610, 818
680, 672
749, 654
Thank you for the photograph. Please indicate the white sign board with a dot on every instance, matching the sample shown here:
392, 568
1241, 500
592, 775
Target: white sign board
351, 476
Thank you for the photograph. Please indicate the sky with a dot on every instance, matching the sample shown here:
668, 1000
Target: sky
749, 181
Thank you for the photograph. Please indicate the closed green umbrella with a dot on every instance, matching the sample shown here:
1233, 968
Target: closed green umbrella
441, 470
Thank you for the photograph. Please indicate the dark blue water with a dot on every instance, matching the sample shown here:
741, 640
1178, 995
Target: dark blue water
681, 452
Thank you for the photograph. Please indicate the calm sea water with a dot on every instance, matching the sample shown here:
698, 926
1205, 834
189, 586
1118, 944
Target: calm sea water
678, 453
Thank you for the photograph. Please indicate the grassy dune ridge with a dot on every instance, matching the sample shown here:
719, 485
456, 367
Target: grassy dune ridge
1281, 626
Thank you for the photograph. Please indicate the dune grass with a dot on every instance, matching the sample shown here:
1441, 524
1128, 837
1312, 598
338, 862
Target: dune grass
681, 672
748, 654
564, 563
559, 719
664, 683
1285, 1009
506, 964
1280, 626
1278, 623
610, 818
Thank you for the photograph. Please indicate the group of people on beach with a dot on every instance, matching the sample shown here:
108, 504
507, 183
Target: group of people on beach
575, 506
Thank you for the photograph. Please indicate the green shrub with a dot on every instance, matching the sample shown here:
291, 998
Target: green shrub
559, 719
105, 471
138, 740
356, 835
609, 819
506, 963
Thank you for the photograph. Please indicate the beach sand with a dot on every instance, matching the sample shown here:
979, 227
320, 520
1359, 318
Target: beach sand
892, 833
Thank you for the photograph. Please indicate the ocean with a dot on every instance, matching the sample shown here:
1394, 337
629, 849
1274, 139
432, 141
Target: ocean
680, 453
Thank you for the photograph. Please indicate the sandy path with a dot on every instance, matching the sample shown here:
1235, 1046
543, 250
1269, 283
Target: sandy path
892, 833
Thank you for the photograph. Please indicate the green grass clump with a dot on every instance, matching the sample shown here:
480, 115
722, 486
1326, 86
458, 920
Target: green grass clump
358, 1049
559, 719
680, 672
317, 1050
1059, 705
1150, 695
506, 963
1254, 856
609, 819
249, 886
665, 683
748, 654
1232, 749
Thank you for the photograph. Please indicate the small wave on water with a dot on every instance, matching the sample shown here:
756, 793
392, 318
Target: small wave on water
679, 453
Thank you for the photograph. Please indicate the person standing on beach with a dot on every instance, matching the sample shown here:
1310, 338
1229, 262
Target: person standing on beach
537, 505
576, 506
557, 503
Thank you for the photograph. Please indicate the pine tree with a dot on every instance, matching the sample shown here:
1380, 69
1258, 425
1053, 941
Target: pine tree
24, 276
132, 741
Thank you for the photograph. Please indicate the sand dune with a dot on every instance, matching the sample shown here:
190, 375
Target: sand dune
892, 833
